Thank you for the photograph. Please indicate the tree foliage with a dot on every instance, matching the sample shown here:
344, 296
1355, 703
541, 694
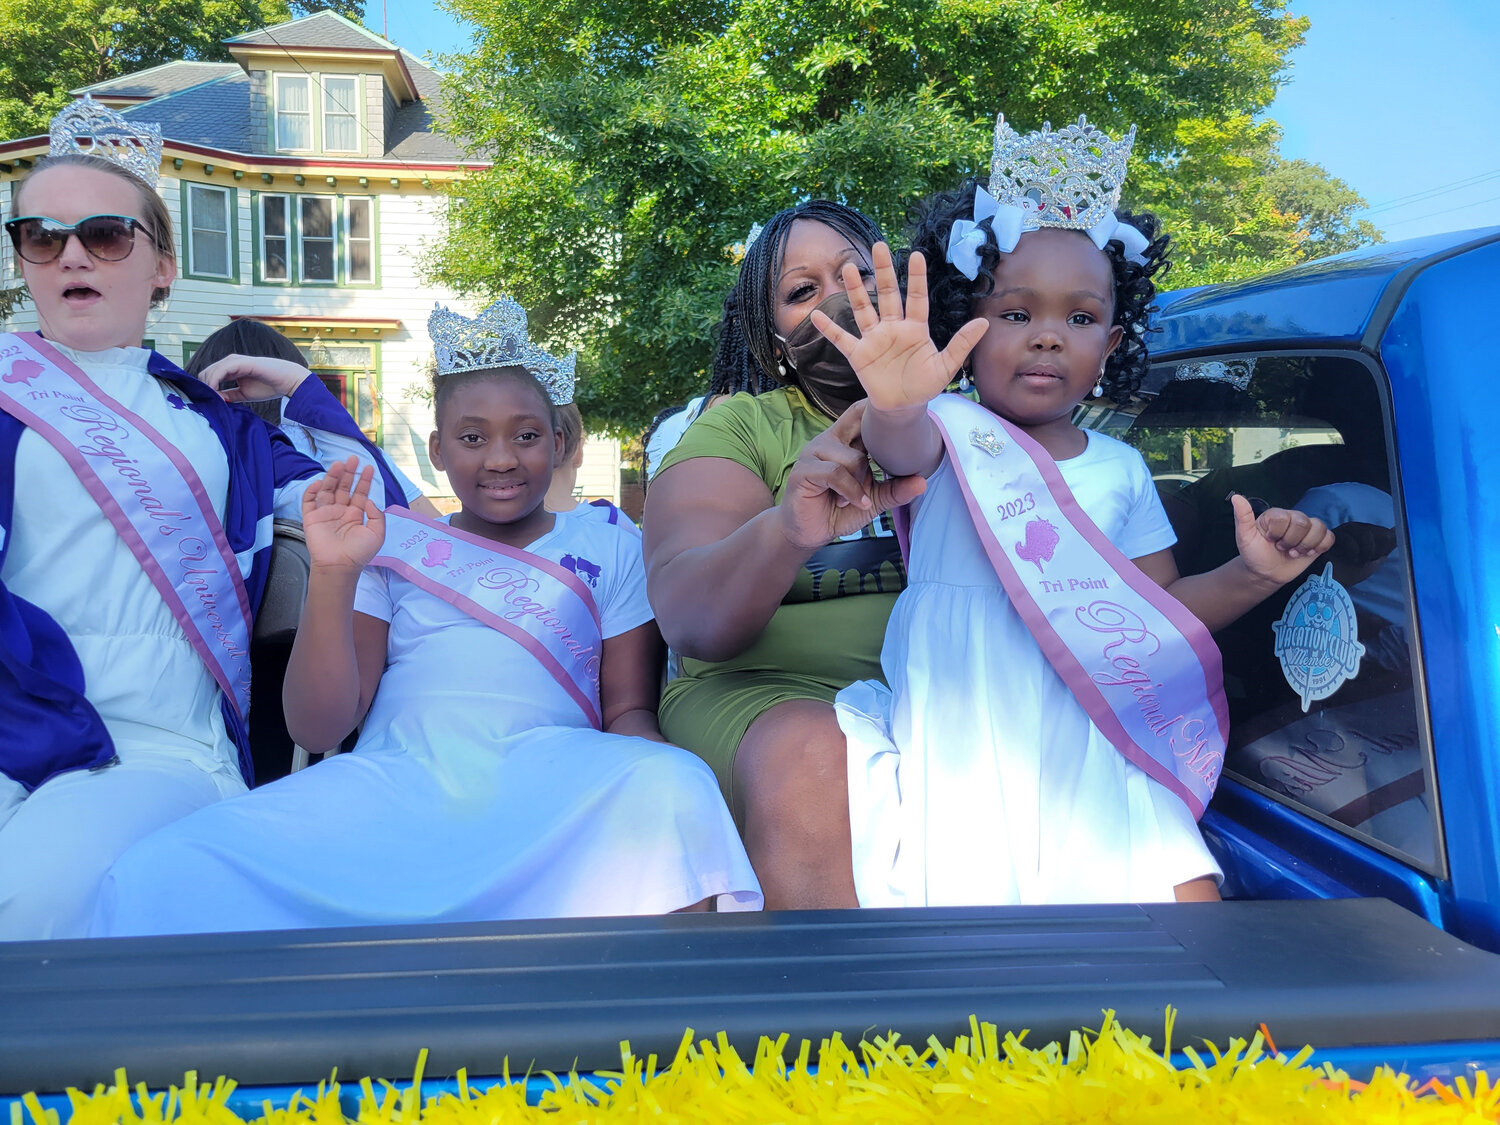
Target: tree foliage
48, 47
635, 141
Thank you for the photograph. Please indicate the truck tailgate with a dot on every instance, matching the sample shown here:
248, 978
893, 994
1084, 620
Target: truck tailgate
283, 1008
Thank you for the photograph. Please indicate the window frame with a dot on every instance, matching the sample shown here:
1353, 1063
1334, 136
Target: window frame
344, 272
309, 80
1439, 867
259, 236
190, 267
333, 240
356, 115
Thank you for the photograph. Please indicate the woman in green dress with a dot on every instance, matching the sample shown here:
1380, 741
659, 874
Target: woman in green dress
772, 563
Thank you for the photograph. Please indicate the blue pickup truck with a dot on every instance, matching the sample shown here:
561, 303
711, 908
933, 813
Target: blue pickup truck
1358, 822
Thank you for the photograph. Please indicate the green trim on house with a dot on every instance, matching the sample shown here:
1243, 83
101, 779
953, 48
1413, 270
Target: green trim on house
232, 218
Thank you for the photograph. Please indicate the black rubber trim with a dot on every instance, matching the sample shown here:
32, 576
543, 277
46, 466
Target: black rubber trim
286, 1008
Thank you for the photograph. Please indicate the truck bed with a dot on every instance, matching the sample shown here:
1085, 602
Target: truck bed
285, 1008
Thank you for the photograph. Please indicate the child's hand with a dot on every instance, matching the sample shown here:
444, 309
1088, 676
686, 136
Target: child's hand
893, 355
344, 528
255, 377
1280, 544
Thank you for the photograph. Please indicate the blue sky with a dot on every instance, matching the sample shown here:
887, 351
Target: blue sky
1401, 99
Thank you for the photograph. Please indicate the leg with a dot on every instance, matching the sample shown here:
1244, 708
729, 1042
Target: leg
792, 802
1205, 889
56, 847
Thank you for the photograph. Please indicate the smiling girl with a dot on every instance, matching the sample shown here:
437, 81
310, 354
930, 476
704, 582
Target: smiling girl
135, 509
496, 661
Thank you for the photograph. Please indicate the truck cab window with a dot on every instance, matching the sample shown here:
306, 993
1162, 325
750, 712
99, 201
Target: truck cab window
1323, 681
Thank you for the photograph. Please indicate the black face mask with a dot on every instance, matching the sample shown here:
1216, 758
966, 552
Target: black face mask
816, 367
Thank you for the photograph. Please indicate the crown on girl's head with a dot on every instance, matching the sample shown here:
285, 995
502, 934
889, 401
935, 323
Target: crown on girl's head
87, 128
498, 337
1068, 178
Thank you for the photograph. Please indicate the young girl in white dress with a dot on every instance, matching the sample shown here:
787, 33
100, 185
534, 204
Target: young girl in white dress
505, 665
135, 508
1054, 722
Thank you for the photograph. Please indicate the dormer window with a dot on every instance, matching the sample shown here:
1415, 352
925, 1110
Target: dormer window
317, 113
340, 113
293, 112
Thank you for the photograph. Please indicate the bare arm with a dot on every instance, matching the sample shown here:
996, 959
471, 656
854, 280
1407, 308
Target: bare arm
712, 529
1275, 549
338, 655
629, 678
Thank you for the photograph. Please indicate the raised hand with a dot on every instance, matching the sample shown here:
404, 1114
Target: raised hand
343, 526
254, 377
897, 363
831, 491
1281, 543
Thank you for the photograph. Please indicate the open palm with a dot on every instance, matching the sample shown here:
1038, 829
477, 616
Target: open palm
894, 356
343, 526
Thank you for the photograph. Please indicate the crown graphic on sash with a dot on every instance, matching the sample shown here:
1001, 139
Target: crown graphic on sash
86, 128
498, 337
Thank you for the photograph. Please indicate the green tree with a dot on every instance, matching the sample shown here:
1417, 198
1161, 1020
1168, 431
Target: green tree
48, 47
635, 141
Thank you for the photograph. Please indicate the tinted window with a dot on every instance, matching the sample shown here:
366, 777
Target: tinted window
1308, 432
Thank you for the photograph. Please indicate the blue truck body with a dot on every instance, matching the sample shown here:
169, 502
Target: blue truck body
1368, 924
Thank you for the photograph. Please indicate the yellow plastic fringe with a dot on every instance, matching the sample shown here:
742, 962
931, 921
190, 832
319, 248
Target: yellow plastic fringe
1105, 1076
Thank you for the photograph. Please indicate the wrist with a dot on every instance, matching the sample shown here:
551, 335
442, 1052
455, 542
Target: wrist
789, 544
1263, 584
897, 415
342, 573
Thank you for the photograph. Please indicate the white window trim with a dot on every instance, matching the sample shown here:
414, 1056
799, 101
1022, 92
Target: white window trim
230, 218
359, 117
348, 241
289, 236
314, 89
333, 227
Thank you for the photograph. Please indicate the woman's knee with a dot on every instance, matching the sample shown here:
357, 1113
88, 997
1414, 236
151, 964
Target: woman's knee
793, 757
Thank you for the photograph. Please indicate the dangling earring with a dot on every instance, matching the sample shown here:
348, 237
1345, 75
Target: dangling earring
1098, 389
964, 385
781, 369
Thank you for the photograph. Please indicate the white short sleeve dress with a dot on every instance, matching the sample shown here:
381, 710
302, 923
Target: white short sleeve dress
976, 777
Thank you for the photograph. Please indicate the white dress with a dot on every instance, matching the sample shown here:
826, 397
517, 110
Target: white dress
477, 791
976, 777
156, 697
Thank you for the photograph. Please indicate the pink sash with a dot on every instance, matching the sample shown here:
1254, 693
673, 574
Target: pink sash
149, 492
1145, 670
535, 602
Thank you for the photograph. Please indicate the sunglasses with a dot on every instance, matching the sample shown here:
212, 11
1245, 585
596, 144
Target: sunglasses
108, 238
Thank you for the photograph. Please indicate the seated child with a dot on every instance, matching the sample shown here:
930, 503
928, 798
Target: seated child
1055, 720
560, 497
512, 650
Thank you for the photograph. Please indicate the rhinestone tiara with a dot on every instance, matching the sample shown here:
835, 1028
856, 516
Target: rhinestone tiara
1235, 372
87, 128
497, 337
1069, 178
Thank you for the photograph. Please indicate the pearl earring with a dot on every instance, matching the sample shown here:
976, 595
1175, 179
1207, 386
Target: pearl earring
964, 385
781, 369
1098, 389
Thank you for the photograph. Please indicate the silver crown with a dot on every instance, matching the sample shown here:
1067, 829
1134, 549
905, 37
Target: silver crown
89, 129
755, 229
498, 337
1068, 178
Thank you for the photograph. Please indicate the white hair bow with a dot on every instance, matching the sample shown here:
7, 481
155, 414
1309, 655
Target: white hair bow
967, 238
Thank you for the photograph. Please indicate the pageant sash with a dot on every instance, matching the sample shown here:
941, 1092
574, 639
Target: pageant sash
540, 605
1145, 670
148, 492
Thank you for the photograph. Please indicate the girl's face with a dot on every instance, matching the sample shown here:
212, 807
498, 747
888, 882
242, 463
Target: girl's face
80, 301
1050, 329
810, 271
496, 443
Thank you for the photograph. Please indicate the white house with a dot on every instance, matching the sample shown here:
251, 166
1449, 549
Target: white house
304, 179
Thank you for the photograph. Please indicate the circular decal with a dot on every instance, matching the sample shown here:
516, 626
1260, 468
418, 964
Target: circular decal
1317, 638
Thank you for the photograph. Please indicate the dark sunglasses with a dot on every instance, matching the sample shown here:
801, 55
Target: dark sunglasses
109, 238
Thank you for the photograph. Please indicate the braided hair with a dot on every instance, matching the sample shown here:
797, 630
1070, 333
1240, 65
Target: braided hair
952, 296
746, 355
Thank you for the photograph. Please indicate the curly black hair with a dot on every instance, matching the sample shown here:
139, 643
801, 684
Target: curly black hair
952, 296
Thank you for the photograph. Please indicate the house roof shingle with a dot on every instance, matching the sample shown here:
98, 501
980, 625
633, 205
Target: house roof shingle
213, 114
325, 29
168, 78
